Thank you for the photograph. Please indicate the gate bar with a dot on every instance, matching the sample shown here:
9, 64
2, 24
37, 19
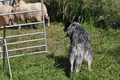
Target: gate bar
22, 35
26, 48
5, 37
25, 41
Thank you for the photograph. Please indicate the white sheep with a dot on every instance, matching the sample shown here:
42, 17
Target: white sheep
7, 9
32, 16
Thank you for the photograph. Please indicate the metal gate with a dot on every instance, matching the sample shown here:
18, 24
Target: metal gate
6, 50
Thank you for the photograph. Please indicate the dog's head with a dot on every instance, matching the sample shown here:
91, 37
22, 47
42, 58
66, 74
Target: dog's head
68, 23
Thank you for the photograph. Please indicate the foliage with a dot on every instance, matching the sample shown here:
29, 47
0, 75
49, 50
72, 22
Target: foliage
104, 13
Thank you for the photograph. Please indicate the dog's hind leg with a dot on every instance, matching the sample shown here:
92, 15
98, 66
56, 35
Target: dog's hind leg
71, 57
88, 58
72, 64
78, 63
89, 64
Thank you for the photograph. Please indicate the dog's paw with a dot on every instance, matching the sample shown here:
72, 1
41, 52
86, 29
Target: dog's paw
90, 71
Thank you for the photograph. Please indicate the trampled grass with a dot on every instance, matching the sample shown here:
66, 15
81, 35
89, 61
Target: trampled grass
55, 65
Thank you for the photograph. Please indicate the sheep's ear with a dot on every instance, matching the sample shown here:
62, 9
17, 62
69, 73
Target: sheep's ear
76, 18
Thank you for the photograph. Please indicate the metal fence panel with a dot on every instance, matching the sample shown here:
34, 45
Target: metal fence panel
5, 37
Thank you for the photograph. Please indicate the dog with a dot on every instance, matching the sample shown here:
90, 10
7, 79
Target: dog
80, 47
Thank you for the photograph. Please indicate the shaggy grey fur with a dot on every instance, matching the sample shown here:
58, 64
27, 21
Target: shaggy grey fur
80, 45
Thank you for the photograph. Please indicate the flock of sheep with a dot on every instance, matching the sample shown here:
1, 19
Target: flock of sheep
19, 6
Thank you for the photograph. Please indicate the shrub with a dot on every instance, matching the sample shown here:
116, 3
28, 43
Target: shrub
104, 13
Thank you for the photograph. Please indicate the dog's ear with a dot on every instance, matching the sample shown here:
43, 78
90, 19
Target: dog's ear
67, 23
76, 18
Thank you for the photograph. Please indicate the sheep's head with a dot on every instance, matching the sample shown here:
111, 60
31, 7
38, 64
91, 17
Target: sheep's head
15, 2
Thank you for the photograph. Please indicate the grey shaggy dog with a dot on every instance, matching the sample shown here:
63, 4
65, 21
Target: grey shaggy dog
80, 45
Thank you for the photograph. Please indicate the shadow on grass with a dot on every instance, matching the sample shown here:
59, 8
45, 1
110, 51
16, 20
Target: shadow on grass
62, 62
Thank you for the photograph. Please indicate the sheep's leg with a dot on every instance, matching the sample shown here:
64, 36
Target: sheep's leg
10, 23
26, 22
15, 21
48, 21
32, 26
48, 18
19, 27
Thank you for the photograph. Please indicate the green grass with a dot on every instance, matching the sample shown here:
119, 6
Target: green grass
55, 65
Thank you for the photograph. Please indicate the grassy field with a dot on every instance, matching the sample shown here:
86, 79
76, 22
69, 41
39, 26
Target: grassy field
55, 65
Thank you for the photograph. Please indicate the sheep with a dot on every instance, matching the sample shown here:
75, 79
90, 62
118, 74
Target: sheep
16, 3
32, 16
7, 9
21, 16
